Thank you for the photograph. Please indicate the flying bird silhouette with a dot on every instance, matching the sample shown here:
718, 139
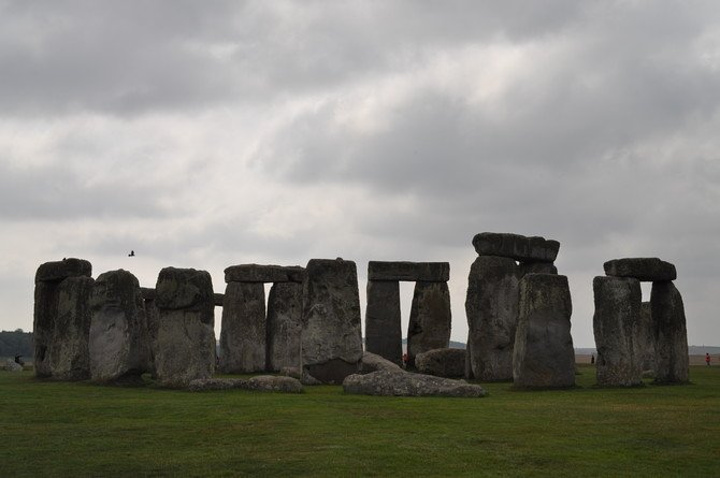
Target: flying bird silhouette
132, 254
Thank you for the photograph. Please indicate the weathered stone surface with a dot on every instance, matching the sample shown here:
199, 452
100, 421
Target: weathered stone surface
492, 314
430, 319
408, 271
543, 355
243, 333
59, 270
263, 273
670, 332
12, 366
118, 343
219, 299
184, 289
646, 269
61, 328
645, 340
441, 362
284, 326
405, 384
152, 319
617, 311
331, 336
262, 383
383, 328
372, 363
526, 268
185, 346
516, 246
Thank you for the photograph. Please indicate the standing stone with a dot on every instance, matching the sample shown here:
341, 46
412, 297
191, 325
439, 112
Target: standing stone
61, 321
152, 318
118, 342
544, 356
284, 327
383, 328
331, 336
492, 313
186, 337
430, 319
617, 311
645, 340
670, 332
243, 334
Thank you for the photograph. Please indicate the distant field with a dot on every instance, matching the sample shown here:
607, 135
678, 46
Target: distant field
78, 429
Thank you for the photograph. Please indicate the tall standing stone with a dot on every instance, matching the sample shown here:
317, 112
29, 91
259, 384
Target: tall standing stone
118, 343
186, 337
670, 332
243, 334
430, 319
284, 326
617, 311
152, 319
383, 329
645, 339
492, 313
331, 336
61, 322
544, 356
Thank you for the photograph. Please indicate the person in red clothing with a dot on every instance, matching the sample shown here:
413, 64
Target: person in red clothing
707, 359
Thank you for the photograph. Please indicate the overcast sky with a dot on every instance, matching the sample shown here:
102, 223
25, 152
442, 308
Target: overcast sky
208, 134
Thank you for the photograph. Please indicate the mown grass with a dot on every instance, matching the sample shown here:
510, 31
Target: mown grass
79, 429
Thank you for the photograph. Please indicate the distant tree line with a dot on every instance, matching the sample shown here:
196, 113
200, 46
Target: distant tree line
16, 343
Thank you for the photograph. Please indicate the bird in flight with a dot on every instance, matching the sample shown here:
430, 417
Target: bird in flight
132, 254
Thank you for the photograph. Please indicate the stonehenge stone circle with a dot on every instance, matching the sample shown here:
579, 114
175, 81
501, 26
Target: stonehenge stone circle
449, 363
383, 329
544, 356
430, 319
406, 384
331, 335
284, 326
617, 311
185, 345
644, 269
670, 333
491, 307
61, 319
118, 343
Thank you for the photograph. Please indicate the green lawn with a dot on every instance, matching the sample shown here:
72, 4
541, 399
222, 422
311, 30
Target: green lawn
78, 429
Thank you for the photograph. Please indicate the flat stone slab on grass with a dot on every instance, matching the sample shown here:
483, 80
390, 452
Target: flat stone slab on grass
405, 384
261, 383
516, 246
646, 269
409, 271
263, 273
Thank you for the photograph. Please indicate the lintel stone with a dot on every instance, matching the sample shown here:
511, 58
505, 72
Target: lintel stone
263, 273
516, 246
646, 269
408, 271
59, 270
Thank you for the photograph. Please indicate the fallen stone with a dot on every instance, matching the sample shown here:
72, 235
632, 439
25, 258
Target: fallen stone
491, 308
272, 383
444, 362
211, 384
516, 247
118, 341
12, 366
59, 270
185, 345
647, 269
617, 311
284, 326
543, 356
263, 273
670, 333
372, 363
405, 384
430, 319
243, 332
408, 271
383, 328
331, 335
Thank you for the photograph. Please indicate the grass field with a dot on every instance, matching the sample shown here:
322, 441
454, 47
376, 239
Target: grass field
78, 429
